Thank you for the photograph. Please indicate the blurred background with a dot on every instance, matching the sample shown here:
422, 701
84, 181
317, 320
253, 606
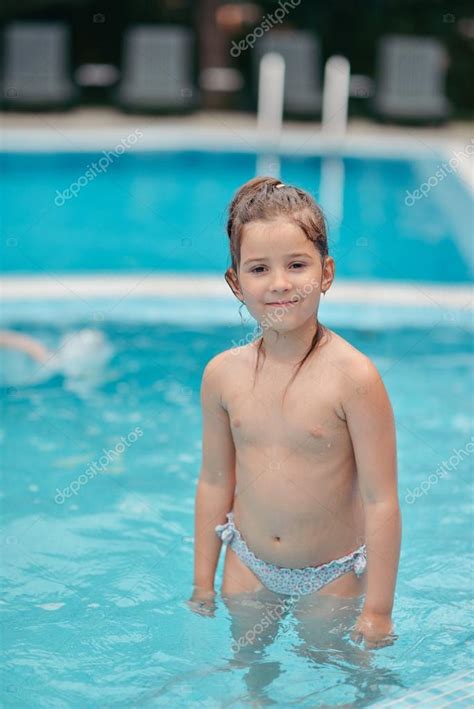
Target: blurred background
99, 48
126, 129
152, 101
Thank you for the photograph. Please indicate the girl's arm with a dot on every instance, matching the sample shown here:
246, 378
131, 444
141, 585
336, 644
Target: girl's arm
371, 425
216, 486
18, 341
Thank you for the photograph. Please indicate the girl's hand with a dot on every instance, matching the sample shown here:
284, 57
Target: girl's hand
375, 629
202, 601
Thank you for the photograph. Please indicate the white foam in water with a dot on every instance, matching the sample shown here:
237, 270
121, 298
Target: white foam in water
81, 357
81, 354
50, 606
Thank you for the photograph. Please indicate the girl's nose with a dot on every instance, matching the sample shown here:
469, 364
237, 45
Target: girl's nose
280, 282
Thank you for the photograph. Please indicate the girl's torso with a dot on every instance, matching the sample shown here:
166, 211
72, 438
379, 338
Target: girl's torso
296, 499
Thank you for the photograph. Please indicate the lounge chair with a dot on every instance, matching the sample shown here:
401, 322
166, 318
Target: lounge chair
410, 80
157, 69
36, 67
302, 54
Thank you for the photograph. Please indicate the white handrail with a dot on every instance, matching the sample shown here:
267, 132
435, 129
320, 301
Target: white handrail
335, 96
271, 87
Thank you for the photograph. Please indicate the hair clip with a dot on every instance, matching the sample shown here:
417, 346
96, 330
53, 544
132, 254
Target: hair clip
277, 187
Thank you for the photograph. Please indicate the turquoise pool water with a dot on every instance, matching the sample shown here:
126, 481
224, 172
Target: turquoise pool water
165, 212
93, 609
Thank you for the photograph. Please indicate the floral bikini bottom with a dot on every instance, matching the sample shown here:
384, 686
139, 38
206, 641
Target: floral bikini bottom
290, 581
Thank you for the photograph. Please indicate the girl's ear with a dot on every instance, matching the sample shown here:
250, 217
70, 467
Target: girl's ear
233, 283
327, 278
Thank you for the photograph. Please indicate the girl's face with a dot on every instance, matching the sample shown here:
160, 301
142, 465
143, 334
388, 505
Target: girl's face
281, 274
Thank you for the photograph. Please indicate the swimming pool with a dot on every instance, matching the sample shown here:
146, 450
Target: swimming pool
94, 607
100, 472
164, 212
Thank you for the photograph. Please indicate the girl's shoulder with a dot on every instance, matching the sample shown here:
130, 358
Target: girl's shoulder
355, 368
230, 359
342, 352
225, 367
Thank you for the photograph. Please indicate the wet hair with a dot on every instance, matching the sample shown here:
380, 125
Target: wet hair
266, 199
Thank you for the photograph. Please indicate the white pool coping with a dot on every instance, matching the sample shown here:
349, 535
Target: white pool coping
192, 299
301, 141
185, 286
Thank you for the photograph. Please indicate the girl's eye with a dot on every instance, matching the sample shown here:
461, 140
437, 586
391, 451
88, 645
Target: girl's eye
256, 269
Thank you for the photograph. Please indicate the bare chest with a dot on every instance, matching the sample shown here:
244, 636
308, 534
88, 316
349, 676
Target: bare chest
305, 419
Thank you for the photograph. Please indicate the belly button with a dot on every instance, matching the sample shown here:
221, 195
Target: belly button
277, 539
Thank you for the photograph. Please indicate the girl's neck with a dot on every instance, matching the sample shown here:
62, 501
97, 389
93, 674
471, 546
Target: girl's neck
289, 347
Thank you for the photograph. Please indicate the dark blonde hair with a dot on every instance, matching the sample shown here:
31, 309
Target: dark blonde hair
265, 199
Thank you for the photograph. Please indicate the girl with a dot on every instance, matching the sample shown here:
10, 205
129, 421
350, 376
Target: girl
299, 472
